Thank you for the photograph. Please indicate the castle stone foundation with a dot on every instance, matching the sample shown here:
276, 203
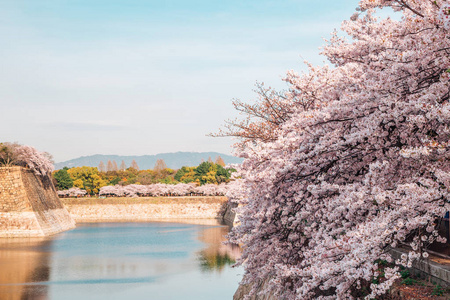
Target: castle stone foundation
29, 205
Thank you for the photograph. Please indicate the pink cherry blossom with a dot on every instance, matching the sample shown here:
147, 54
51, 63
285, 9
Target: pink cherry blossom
26, 156
161, 189
356, 160
72, 192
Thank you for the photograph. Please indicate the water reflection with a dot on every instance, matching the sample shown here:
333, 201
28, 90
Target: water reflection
217, 255
20, 263
120, 261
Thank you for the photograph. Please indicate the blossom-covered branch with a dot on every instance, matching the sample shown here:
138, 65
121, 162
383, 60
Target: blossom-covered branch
360, 163
26, 156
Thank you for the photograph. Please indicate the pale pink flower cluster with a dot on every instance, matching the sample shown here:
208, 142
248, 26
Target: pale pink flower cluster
37, 161
235, 191
444, 15
358, 164
72, 192
161, 189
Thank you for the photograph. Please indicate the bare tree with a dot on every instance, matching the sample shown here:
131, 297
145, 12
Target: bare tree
101, 167
109, 166
115, 168
220, 161
160, 165
134, 165
123, 166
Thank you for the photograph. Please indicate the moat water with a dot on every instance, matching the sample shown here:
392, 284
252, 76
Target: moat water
121, 261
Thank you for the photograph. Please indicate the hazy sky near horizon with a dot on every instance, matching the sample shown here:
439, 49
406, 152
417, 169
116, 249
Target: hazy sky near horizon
135, 77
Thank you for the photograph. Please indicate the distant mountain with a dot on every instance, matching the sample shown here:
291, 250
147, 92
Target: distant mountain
173, 160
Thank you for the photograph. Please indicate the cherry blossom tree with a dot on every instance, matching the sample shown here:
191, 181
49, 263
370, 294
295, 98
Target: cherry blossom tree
208, 189
351, 161
161, 189
109, 190
26, 156
8, 154
72, 192
262, 118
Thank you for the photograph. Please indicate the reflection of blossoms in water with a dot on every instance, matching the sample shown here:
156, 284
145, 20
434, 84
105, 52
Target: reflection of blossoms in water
216, 262
217, 255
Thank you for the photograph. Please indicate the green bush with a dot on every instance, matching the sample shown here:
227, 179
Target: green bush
438, 290
409, 281
405, 274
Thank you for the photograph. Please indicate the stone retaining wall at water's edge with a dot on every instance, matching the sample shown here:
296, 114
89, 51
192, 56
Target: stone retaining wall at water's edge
29, 205
145, 209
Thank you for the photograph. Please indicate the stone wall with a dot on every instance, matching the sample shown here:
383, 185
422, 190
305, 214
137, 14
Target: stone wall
146, 209
243, 290
431, 268
229, 216
29, 205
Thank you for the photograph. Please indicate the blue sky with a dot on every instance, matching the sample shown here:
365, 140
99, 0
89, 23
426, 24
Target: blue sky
134, 77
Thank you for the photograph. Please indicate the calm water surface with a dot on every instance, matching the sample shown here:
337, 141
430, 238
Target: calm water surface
121, 261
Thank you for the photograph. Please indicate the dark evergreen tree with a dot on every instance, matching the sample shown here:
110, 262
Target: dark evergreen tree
63, 179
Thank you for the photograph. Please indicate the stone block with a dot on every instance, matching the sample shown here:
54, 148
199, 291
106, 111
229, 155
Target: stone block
29, 205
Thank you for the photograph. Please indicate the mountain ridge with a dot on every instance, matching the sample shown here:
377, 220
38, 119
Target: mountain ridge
173, 160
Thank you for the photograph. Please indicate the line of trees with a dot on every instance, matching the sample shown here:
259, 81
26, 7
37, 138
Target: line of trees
208, 178
154, 190
111, 166
92, 179
161, 189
